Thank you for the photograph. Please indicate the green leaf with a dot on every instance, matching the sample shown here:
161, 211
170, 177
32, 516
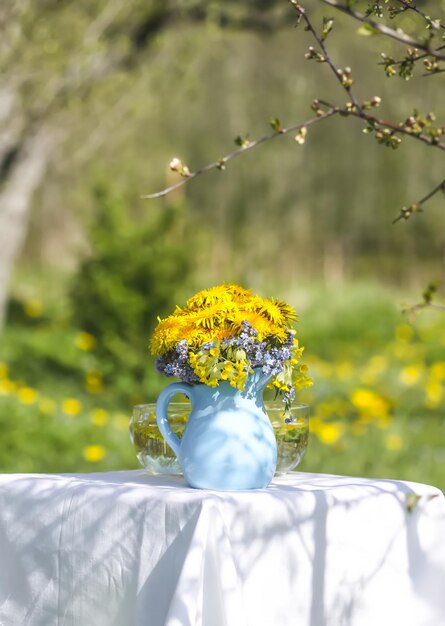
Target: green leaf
412, 500
366, 30
328, 23
276, 124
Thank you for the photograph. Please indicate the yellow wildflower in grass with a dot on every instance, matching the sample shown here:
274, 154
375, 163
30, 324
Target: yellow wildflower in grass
26, 395
71, 406
330, 432
433, 394
437, 370
85, 341
372, 409
411, 374
93, 382
393, 442
99, 417
3, 370
33, 307
94, 453
369, 403
7, 387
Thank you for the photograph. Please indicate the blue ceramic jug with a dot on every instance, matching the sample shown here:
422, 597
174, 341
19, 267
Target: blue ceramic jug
228, 442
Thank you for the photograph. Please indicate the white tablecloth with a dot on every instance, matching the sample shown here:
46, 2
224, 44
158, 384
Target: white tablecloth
126, 549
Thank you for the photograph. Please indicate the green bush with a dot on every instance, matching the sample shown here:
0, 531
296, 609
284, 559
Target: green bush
132, 276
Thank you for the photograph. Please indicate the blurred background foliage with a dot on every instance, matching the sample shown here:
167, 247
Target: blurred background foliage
95, 99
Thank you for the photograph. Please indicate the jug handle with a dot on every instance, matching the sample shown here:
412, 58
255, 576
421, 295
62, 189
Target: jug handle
162, 412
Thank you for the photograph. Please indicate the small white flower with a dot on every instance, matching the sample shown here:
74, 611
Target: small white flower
175, 164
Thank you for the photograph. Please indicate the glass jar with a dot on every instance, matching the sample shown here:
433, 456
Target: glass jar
291, 431
152, 450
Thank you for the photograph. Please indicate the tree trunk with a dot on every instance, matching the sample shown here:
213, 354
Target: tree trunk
16, 196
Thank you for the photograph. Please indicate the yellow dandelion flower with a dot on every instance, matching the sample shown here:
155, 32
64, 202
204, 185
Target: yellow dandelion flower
197, 336
437, 370
330, 432
261, 324
93, 382
99, 417
217, 295
26, 395
167, 334
7, 387
239, 294
277, 311
433, 394
3, 370
213, 316
369, 402
85, 341
411, 374
33, 307
71, 406
94, 453
393, 442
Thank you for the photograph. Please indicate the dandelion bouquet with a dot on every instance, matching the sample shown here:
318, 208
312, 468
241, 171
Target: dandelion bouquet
223, 333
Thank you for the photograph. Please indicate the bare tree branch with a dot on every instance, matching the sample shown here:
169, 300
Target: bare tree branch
406, 212
395, 128
326, 56
408, 6
221, 163
398, 35
354, 109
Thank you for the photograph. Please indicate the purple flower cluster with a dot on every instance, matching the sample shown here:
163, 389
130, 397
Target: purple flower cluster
262, 353
265, 354
175, 363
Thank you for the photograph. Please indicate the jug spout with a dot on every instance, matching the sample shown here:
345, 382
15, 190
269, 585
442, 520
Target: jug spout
263, 380
257, 382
